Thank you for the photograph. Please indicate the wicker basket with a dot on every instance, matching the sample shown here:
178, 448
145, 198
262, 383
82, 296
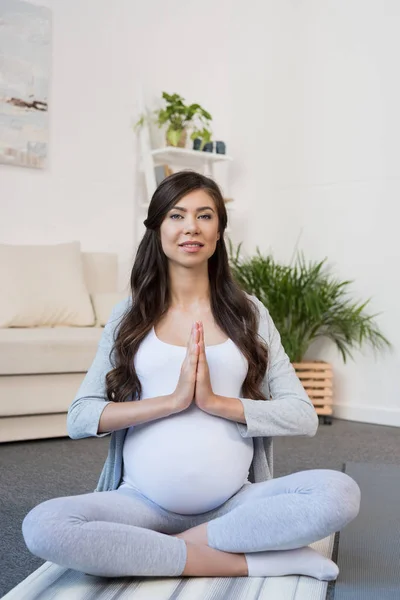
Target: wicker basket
317, 379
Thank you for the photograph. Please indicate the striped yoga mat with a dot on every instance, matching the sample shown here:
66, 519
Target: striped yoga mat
51, 581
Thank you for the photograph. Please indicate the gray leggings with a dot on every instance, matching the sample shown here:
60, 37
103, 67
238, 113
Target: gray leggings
123, 533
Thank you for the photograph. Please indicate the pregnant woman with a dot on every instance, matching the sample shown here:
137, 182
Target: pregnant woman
192, 382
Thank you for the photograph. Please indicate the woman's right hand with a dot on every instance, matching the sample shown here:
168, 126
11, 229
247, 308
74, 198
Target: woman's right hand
185, 389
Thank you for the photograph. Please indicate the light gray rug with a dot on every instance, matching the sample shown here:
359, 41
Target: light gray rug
32, 472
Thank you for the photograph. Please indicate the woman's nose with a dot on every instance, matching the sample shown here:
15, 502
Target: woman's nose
191, 226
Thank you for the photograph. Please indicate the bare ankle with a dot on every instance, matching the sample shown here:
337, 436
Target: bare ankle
195, 535
203, 561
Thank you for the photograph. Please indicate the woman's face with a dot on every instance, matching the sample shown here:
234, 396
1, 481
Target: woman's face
194, 217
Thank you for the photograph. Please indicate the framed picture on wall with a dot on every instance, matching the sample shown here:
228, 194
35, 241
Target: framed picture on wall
24, 83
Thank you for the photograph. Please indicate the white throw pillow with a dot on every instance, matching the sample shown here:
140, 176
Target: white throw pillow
103, 303
41, 286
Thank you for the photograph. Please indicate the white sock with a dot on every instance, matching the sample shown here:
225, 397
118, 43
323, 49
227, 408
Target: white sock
300, 561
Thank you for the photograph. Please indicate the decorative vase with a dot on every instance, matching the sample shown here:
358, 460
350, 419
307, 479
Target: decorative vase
181, 141
317, 379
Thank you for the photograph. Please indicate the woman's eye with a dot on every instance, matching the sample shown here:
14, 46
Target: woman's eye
176, 215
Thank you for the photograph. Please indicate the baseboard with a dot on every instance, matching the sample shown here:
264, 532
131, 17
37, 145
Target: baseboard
368, 414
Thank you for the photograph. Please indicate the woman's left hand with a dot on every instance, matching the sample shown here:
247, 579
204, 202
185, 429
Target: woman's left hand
204, 395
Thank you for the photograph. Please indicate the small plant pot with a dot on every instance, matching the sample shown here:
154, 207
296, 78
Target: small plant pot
181, 142
196, 144
209, 147
317, 379
220, 147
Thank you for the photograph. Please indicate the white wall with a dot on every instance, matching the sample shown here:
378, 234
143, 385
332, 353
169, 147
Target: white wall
306, 96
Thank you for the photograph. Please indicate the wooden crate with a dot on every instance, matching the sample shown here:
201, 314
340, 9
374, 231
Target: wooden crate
317, 379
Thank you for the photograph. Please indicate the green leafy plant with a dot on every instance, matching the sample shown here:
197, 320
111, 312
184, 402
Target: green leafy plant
305, 303
179, 116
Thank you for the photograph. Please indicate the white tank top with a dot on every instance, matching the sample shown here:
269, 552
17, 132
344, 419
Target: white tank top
190, 462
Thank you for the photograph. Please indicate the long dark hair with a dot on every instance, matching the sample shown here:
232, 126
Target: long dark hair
233, 311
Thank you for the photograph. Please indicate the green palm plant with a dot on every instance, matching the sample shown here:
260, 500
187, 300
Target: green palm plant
306, 303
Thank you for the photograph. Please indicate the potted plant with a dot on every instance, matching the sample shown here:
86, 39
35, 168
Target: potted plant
179, 117
306, 303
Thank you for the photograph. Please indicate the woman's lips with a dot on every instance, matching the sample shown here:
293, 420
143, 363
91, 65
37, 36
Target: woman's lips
191, 248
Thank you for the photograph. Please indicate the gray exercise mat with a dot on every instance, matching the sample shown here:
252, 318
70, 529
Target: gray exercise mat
369, 547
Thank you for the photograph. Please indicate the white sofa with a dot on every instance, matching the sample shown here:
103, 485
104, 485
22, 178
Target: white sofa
41, 368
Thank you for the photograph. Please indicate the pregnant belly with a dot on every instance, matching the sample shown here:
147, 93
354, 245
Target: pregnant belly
187, 463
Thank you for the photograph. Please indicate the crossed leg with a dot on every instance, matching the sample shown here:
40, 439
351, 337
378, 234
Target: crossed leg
109, 534
273, 523
116, 534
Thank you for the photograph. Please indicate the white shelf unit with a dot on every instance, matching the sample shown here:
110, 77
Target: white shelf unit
191, 158
183, 158
178, 157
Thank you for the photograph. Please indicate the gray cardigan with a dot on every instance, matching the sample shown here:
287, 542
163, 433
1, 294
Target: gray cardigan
290, 412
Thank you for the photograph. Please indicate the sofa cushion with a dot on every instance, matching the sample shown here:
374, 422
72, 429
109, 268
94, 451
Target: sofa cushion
38, 394
43, 286
48, 349
103, 303
101, 271
33, 427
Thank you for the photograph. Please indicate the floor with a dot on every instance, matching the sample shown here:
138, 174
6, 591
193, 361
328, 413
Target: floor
31, 472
